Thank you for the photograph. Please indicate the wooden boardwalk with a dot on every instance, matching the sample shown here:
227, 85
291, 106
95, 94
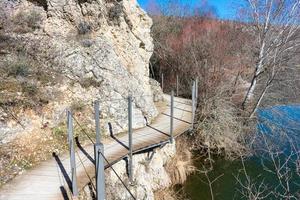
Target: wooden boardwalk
49, 181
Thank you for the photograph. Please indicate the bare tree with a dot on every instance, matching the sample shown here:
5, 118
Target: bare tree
276, 25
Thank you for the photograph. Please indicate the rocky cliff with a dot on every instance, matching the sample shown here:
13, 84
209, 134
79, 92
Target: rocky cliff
150, 175
70, 53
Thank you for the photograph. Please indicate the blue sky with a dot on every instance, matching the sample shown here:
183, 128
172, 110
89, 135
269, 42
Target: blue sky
224, 8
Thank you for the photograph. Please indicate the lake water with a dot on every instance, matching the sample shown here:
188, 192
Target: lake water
279, 127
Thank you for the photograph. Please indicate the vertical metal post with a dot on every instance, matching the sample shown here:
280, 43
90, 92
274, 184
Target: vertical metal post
172, 117
162, 82
100, 177
193, 104
72, 153
97, 121
177, 85
196, 91
130, 169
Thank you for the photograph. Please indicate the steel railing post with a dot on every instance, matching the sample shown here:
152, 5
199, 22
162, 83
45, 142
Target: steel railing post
100, 176
72, 153
130, 168
177, 85
193, 104
172, 117
162, 82
196, 91
97, 121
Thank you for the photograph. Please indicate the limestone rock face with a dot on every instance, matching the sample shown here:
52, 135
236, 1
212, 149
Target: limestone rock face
107, 41
149, 176
158, 94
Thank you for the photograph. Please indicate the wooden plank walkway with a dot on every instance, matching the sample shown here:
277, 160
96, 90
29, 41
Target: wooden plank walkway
49, 181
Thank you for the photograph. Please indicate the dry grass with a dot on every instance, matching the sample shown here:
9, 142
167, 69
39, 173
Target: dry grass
167, 194
179, 168
28, 150
22, 84
181, 165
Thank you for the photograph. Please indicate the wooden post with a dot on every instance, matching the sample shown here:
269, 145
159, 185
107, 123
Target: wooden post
130, 169
172, 117
100, 176
72, 153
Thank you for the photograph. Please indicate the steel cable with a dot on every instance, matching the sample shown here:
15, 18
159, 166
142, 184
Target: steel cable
110, 165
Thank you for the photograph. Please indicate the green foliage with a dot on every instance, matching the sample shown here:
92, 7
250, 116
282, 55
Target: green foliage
59, 131
18, 69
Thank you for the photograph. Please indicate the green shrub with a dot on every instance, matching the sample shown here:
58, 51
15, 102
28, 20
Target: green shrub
59, 131
18, 69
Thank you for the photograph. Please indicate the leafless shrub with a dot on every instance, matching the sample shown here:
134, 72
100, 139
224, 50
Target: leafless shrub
219, 126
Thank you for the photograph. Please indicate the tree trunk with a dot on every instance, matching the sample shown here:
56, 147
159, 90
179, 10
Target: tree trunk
260, 99
257, 72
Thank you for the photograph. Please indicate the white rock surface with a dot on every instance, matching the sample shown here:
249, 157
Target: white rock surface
149, 176
108, 41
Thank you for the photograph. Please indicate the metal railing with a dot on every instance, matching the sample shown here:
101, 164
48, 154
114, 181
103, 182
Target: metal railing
99, 156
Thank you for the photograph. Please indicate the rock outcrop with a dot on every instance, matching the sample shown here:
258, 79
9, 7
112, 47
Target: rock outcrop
149, 175
100, 48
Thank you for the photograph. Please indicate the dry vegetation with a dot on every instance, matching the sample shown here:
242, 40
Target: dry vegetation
220, 127
224, 56
18, 155
182, 165
203, 47
167, 194
179, 168
28, 150
27, 86
242, 67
